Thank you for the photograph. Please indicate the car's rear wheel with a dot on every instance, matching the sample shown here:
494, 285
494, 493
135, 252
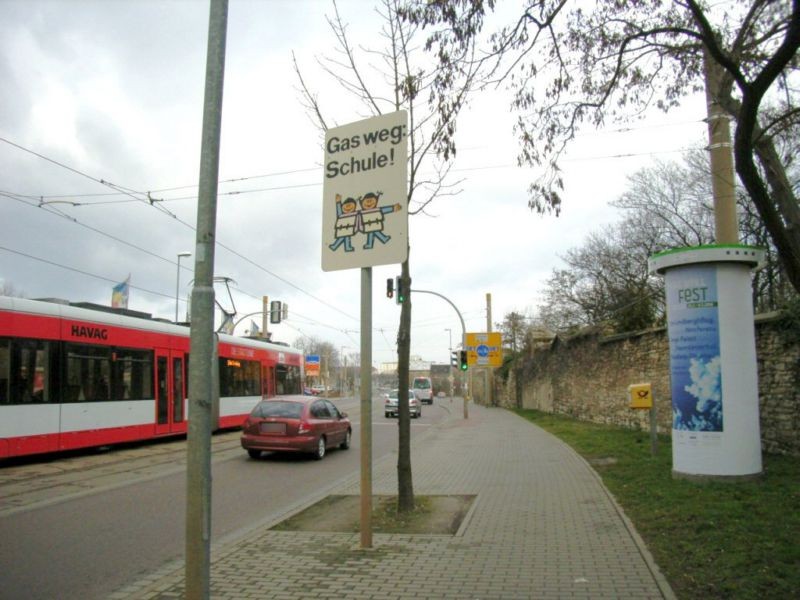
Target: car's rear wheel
254, 453
346, 441
319, 454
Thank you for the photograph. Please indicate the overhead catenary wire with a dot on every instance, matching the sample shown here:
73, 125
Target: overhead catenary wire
616, 130
154, 203
94, 229
147, 197
117, 239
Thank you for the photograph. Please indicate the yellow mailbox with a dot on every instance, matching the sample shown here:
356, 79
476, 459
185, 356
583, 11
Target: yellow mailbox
641, 395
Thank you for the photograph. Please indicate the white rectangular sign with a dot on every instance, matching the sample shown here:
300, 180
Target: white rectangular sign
365, 193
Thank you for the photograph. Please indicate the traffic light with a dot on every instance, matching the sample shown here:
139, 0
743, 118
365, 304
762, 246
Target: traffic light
400, 287
462, 360
454, 358
275, 311
390, 288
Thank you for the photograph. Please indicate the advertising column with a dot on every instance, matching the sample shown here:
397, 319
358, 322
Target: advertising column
713, 371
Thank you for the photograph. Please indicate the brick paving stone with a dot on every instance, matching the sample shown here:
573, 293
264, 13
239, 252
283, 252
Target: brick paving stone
542, 526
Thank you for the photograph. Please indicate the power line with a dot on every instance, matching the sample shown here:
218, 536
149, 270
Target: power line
148, 194
89, 227
153, 202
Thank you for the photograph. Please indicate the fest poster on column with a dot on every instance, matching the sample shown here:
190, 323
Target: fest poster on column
695, 364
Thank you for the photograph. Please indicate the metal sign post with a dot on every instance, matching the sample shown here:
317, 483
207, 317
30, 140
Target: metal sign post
366, 407
641, 397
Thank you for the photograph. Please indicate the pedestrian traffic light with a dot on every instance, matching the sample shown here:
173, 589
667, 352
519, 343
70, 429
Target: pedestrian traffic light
462, 360
400, 287
390, 288
454, 358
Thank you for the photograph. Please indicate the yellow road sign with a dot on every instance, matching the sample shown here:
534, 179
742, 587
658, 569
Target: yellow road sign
484, 349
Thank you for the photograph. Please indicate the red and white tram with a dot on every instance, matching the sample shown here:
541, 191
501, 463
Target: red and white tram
73, 377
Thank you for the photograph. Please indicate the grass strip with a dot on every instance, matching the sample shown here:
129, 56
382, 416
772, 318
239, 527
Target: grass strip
711, 539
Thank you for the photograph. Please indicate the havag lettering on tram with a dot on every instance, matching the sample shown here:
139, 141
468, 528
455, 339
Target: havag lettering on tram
79, 376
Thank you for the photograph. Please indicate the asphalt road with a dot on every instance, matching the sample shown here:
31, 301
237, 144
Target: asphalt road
83, 526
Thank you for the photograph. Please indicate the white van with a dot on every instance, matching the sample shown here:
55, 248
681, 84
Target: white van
423, 389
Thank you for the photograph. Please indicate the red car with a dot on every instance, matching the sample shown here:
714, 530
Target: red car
295, 424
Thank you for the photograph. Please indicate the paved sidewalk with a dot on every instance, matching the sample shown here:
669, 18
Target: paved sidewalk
542, 526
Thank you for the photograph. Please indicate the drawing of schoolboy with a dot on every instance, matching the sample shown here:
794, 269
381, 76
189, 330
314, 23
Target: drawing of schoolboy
372, 218
346, 220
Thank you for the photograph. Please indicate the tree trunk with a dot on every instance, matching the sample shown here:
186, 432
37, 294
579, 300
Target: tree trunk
778, 209
405, 486
784, 233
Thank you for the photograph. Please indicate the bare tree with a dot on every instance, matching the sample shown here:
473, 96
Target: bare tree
674, 201
571, 65
514, 328
606, 282
8, 289
329, 355
403, 78
666, 206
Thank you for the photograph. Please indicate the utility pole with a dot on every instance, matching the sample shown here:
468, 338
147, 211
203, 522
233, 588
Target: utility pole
726, 227
265, 317
198, 468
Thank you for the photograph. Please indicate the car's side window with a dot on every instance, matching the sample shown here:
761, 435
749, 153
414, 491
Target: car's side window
334, 412
320, 411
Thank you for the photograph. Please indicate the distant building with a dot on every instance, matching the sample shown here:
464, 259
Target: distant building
416, 367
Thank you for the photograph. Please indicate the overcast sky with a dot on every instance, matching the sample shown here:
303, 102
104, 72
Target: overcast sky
102, 103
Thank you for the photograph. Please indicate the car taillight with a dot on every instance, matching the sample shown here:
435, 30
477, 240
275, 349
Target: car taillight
303, 428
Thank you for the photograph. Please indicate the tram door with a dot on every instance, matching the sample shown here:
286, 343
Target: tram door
268, 383
170, 392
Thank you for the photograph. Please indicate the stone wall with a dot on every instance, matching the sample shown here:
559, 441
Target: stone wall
587, 376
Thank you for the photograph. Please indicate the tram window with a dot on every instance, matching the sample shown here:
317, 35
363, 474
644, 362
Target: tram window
287, 380
25, 371
239, 377
132, 374
88, 373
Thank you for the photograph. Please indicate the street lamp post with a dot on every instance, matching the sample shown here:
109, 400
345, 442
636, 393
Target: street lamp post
343, 371
449, 362
178, 281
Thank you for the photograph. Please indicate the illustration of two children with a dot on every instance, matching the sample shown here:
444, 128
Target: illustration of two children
369, 220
